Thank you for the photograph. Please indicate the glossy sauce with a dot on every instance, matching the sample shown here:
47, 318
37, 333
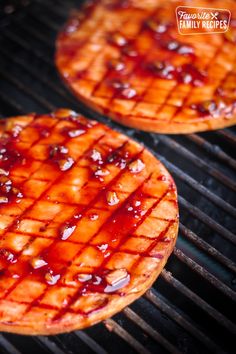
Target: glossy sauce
159, 32
9, 157
46, 266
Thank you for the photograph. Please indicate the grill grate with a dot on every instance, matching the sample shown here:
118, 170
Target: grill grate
190, 308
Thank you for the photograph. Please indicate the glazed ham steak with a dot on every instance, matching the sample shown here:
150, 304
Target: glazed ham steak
88, 219
126, 59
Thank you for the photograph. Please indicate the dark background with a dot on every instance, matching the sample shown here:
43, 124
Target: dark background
191, 310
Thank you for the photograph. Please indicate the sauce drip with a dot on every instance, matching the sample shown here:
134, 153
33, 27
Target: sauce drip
7, 257
186, 74
9, 157
104, 281
59, 155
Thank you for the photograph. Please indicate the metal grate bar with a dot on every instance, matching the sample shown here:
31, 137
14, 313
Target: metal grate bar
207, 247
198, 187
183, 321
212, 171
8, 347
214, 150
15, 106
207, 220
221, 319
47, 22
96, 348
63, 6
44, 80
34, 33
49, 345
112, 326
205, 274
228, 135
63, 3
150, 331
23, 44
10, 102
41, 20
59, 12
18, 84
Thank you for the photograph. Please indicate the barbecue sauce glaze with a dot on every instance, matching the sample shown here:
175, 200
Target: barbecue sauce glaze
159, 29
45, 266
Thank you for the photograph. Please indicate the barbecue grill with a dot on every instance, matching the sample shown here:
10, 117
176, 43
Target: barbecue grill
190, 309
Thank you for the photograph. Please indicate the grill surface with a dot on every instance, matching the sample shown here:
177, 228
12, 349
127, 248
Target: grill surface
190, 308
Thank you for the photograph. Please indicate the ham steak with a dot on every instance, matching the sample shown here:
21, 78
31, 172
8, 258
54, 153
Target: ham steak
88, 218
127, 60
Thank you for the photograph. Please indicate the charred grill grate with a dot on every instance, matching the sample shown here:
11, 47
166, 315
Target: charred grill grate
190, 308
